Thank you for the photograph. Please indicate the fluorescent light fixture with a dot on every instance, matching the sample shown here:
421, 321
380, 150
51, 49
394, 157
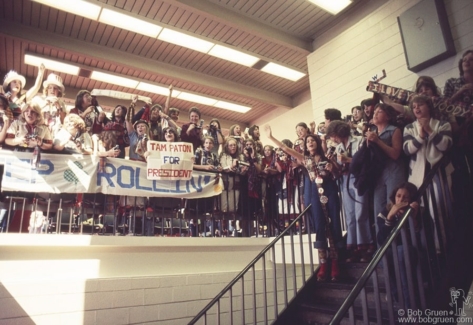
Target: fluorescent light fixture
232, 55
112, 79
127, 22
51, 65
232, 107
156, 89
283, 72
76, 7
332, 6
197, 99
181, 39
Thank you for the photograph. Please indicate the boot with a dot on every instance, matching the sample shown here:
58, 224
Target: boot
335, 272
353, 255
323, 272
323, 268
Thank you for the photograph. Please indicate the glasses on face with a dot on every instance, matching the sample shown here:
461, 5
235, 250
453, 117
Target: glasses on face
168, 132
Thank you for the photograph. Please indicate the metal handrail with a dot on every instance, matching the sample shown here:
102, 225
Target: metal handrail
380, 253
247, 268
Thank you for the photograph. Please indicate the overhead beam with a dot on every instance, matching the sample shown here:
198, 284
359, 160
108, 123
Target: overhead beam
29, 34
242, 22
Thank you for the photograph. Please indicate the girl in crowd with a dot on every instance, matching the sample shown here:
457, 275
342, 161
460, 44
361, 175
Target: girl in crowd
192, 131
13, 85
368, 106
288, 193
235, 132
214, 130
270, 184
360, 244
302, 132
251, 184
118, 126
388, 138
255, 135
72, 138
231, 170
460, 90
402, 197
323, 196
53, 108
29, 130
425, 142
88, 112
356, 122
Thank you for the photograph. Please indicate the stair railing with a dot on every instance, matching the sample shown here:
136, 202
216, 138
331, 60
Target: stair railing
418, 263
237, 311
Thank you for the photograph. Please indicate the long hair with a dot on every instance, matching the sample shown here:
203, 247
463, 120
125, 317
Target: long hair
79, 97
411, 189
124, 110
460, 68
319, 150
35, 106
231, 131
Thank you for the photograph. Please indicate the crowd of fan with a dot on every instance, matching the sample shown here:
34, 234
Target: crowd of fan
376, 157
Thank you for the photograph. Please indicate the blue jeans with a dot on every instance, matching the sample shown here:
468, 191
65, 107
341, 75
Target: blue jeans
317, 217
356, 214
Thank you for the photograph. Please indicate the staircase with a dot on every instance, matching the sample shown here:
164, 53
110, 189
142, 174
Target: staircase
318, 302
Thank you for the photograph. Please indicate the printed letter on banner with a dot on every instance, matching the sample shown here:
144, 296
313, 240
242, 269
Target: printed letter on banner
170, 160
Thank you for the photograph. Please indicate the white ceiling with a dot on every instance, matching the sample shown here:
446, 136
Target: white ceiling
280, 31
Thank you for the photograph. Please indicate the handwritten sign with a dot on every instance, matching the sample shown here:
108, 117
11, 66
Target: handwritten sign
169, 160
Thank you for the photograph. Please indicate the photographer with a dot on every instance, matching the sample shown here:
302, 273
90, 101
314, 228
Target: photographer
29, 131
192, 131
360, 244
322, 194
251, 184
215, 132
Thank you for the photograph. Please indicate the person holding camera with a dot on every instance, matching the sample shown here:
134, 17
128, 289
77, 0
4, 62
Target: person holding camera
360, 243
72, 137
192, 131
86, 107
29, 131
215, 132
231, 171
388, 138
322, 194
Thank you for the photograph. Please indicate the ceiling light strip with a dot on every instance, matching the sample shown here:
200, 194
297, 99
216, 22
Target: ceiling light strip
140, 26
58, 66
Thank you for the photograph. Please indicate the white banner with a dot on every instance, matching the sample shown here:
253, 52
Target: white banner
79, 174
170, 160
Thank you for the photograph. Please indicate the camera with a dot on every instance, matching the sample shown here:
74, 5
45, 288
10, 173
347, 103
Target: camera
242, 163
200, 125
321, 166
117, 147
213, 128
331, 151
249, 150
348, 118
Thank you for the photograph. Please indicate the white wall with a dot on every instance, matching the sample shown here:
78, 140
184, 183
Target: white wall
340, 69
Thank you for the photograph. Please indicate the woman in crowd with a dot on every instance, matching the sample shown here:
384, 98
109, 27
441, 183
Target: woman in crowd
254, 133
388, 138
460, 90
231, 171
251, 205
192, 131
235, 132
288, 193
13, 85
118, 126
323, 196
270, 184
5, 120
53, 108
215, 131
85, 108
300, 173
29, 130
72, 138
356, 122
425, 142
402, 197
368, 106
360, 244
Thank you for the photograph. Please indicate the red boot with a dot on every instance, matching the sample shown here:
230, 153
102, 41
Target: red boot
335, 272
323, 272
